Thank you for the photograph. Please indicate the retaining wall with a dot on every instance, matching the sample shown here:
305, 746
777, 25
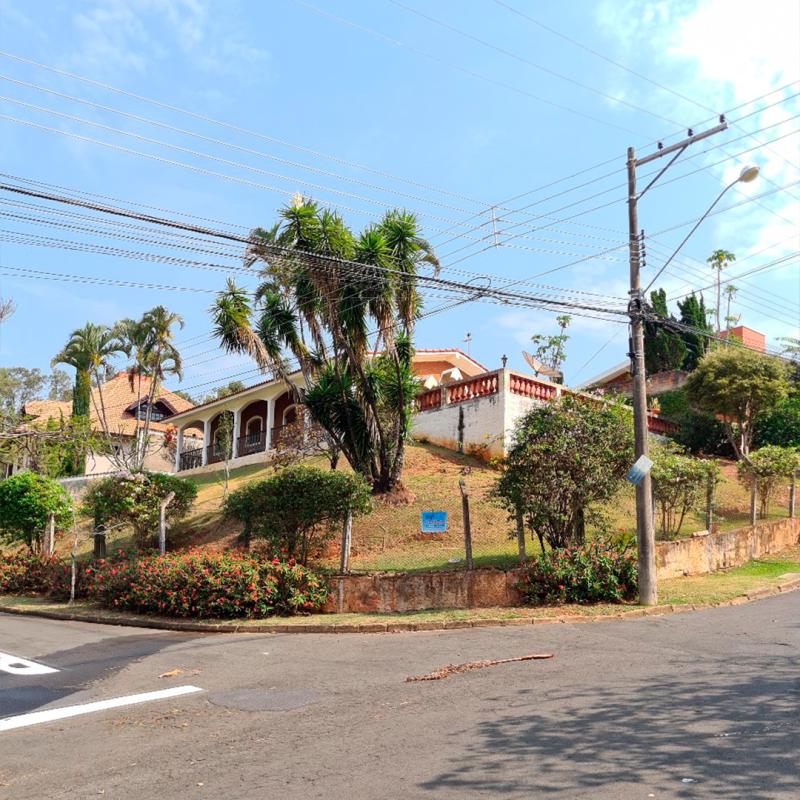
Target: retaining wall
709, 552
488, 588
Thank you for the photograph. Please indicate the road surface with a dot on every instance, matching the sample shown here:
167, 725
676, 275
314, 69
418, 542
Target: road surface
695, 705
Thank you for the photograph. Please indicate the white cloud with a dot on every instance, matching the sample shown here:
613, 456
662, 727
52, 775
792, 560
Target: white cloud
139, 35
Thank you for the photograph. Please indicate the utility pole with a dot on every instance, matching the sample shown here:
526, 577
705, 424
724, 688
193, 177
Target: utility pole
645, 530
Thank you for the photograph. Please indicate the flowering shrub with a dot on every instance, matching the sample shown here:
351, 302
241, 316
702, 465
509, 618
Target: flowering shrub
28, 573
599, 572
24, 573
190, 584
196, 584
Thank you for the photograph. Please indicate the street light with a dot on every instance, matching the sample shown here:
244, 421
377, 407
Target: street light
747, 175
645, 531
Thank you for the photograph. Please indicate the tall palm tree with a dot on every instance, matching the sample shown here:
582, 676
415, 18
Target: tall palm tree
89, 350
322, 290
159, 358
134, 335
718, 260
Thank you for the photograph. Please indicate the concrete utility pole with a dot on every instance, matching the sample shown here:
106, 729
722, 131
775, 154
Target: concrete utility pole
645, 531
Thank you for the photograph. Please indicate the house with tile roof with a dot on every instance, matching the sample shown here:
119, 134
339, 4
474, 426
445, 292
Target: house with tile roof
119, 408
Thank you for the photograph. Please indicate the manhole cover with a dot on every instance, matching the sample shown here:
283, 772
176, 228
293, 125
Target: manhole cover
261, 700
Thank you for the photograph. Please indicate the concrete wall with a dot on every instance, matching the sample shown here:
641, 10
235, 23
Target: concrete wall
488, 588
709, 552
483, 420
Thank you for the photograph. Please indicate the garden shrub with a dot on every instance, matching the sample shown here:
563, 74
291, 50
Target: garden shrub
26, 502
782, 425
24, 573
769, 466
197, 584
134, 498
565, 456
598, 572
698, 433
679, 486
299, 509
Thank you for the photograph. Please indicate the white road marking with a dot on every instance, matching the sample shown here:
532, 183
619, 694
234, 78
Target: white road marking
49, 715
21, 666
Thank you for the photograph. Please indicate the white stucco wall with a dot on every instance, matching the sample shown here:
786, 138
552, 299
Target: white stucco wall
488, 421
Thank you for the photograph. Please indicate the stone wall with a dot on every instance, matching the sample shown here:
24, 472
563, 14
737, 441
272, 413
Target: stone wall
709, 552
413, 591
489, 588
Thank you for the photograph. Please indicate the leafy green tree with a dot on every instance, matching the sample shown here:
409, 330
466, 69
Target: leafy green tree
781, 426
224, 391
322, 289
18, 386
738, 386
550, 349
663, 349
298, 509
134, 499
768, 465
60, 386
694, 315
26, 502
679, 485
699, 433
719, 260
564, 457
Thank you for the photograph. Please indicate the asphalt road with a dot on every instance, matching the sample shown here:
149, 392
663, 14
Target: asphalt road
695, 705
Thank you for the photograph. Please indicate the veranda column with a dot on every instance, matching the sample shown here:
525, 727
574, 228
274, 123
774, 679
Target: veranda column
178, 449
206, 440
270, 422
237, 426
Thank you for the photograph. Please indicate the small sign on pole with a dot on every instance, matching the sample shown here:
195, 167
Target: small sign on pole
637, 472
433, 522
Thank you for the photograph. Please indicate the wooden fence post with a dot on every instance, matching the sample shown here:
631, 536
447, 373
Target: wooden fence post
347, 537
467, 528
793, 496
521, 536
99, 544
710, 486
753, 505
162, 522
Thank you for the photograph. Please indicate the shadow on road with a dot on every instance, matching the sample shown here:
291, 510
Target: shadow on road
734, 734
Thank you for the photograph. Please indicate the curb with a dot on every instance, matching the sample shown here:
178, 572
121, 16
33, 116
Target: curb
399, 627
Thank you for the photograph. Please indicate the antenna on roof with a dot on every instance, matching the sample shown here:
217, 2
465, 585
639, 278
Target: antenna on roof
468, 341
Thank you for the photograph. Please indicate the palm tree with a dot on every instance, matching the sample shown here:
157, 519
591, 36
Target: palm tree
158, 357
89, 350
322, 289
134, 335
718, 260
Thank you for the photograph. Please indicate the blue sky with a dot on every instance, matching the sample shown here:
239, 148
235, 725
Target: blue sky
368, 105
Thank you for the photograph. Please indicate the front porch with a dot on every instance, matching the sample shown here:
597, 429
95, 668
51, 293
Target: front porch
238, 428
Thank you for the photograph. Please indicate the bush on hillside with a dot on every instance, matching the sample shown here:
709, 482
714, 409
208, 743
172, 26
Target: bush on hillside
134, 499
770, 465
698, 433
781, 426
679, 486
564, 457
598, 572
26, 502
299, 509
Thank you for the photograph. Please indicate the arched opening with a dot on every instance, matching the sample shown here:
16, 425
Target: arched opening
191, 445
253, 434
221, 447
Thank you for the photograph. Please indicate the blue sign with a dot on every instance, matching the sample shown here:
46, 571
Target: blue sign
434, 521
637, 472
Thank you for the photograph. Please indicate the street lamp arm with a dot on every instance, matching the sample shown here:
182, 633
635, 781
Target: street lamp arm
688, 235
